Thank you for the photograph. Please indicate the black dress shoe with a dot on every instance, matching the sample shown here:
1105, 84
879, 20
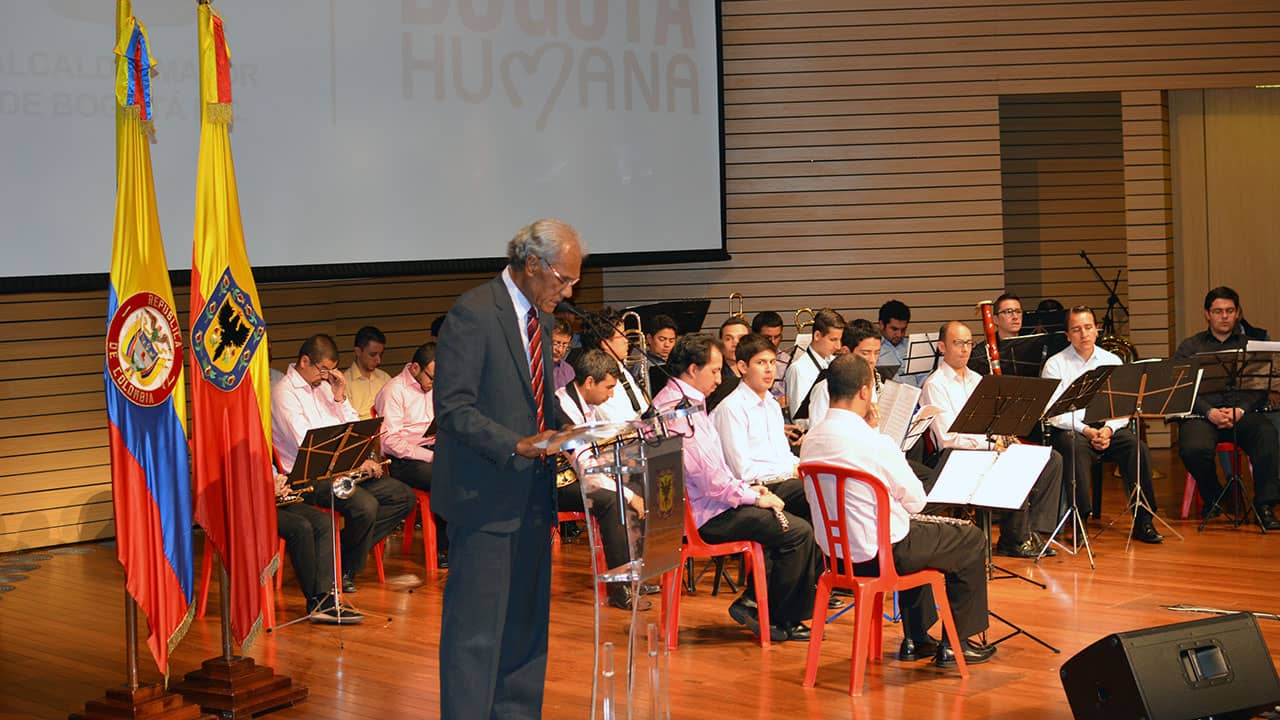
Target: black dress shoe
974, 654
648, 589
835, 603
1268, 520
442, 561
620, 597
799, 631
1147, 534
348, 583
1025, 549
912, 650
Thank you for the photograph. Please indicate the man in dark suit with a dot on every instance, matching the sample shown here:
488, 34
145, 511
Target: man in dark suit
494, 400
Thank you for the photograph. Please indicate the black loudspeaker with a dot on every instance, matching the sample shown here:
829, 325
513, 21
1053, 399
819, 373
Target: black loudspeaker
1217, 667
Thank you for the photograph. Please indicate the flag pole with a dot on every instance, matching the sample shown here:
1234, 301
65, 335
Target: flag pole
131, 640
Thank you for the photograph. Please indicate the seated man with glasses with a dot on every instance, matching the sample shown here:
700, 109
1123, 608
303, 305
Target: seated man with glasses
606, 334
561, 341
948, 388
313, 394
404, 404
1228, 417
1008, 316
1112, 441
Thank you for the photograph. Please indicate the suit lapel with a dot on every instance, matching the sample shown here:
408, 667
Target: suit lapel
511, 332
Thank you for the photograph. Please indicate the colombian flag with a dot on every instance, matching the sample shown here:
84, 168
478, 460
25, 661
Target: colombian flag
146, 404
230, 378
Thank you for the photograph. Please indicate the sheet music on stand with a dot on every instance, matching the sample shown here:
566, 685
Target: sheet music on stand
922, 353
1150, 388
334, 449
899, 417
1252, 369
986, 478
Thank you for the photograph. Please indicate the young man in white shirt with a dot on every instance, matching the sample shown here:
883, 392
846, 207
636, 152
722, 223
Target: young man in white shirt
844, 438
595, 381
606, 334
405, 406
365, 379
769, 324
1112, 441
731, 331
806, 367
862, 339
948, 388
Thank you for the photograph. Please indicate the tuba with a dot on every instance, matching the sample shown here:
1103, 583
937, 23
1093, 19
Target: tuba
1119, 345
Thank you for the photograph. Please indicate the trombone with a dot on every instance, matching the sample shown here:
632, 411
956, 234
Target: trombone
740, 313
637, 346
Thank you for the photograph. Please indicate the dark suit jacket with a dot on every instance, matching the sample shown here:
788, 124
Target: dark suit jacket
483, 400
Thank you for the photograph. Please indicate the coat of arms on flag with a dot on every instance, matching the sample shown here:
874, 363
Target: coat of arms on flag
226, 334
144, 349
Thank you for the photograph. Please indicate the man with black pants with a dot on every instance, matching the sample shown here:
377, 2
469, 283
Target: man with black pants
845, 438
1228, 417
308, 538
495, 402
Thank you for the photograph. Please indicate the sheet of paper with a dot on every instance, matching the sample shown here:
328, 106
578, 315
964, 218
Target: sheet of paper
960, 476
897, 403
919, 426
1008, 482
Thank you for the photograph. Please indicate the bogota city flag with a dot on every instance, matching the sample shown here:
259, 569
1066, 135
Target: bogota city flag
230, 378
146, 404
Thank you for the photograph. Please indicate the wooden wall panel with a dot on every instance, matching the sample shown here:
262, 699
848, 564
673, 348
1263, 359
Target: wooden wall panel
1062, 171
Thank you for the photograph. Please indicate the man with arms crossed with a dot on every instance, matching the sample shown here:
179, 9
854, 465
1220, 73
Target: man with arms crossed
494, 403
1111, 441
844, 438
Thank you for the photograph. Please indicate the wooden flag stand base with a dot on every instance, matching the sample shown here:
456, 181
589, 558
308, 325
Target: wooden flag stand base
232, 686
132, 700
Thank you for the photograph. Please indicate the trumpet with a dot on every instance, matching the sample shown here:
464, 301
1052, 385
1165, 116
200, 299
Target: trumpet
740, 312
344, 485
293, 497
566, 474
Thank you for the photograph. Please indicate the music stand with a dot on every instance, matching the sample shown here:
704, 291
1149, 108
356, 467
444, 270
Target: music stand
327, 453
1230, 372
922, 354
1076, 397
1161, 389
1024, 355
1010, 406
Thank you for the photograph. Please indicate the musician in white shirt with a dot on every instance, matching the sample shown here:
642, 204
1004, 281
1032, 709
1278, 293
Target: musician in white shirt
844, 438
862, 339
948, 388
606, 334
807, 365
1111, 441
595, 381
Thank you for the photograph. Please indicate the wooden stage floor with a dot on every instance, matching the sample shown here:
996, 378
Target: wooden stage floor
61, 636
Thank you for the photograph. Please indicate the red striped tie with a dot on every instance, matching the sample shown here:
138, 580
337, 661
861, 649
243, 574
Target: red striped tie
534, 330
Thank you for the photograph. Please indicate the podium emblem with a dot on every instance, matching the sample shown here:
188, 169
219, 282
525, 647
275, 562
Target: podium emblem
666, 491
226, 334
144, 349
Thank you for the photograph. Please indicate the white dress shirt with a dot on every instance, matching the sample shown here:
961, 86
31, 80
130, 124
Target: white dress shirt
800, 376
406, 412
579, 411
754, 440
843, 438
820, 400
948, 390
618, 408
296, 407
1065, 367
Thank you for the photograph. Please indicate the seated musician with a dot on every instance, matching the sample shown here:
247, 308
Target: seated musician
1007, 311
595, 378
845, 438
726, 507
862, 339
1228, 417
607, 336
364, 377
731, 331
948, 388
405, 408
313, 394
660, 337
1112, 441
308, 538
561, 342
895, 344
769, 324
807, 365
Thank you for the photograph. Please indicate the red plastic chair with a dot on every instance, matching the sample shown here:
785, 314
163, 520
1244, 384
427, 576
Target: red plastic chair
598, 549
429, 548
379, 549
695, 547
268, 595
868, 592
1191, 495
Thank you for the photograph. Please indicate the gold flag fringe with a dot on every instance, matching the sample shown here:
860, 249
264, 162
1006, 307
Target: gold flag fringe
145, 127
177, 637
218, 113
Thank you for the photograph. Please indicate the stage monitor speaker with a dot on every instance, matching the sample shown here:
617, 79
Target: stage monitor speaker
1217, 667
